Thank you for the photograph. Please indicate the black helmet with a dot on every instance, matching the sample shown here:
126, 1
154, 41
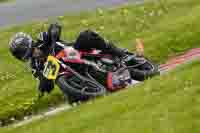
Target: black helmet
21, 46
54, 32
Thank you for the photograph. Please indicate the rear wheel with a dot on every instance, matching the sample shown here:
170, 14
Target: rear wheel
143, 69
76, 89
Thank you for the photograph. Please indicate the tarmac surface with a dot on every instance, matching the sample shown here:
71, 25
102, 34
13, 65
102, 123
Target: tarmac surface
24, 11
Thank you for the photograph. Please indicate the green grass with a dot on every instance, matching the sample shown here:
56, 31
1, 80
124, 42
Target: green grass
166, 31
4, 1
166, 104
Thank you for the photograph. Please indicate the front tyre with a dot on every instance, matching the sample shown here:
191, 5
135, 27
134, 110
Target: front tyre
76, 89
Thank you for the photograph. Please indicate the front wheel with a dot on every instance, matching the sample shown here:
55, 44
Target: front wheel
79, 90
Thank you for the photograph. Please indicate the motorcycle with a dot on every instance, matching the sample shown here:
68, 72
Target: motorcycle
82, 75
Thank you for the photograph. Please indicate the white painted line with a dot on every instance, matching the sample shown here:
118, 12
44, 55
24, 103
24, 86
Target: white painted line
41, 116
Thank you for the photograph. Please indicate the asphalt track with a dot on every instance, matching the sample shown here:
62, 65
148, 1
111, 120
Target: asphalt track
24, 11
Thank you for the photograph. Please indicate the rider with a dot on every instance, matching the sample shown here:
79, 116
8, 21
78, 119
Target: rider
24, 48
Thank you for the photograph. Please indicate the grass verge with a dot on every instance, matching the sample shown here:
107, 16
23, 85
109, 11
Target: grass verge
5, 1
165, 104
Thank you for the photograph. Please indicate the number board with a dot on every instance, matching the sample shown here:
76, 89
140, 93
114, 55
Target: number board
51, 68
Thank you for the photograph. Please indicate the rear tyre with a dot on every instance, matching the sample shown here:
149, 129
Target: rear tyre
144, 71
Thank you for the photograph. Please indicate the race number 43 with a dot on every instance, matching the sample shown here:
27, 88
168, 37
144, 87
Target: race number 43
51, 68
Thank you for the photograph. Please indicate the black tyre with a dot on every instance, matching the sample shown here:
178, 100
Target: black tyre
144, 69
76, 89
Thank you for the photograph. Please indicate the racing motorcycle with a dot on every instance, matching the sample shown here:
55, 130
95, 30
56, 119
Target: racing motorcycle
82, 75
